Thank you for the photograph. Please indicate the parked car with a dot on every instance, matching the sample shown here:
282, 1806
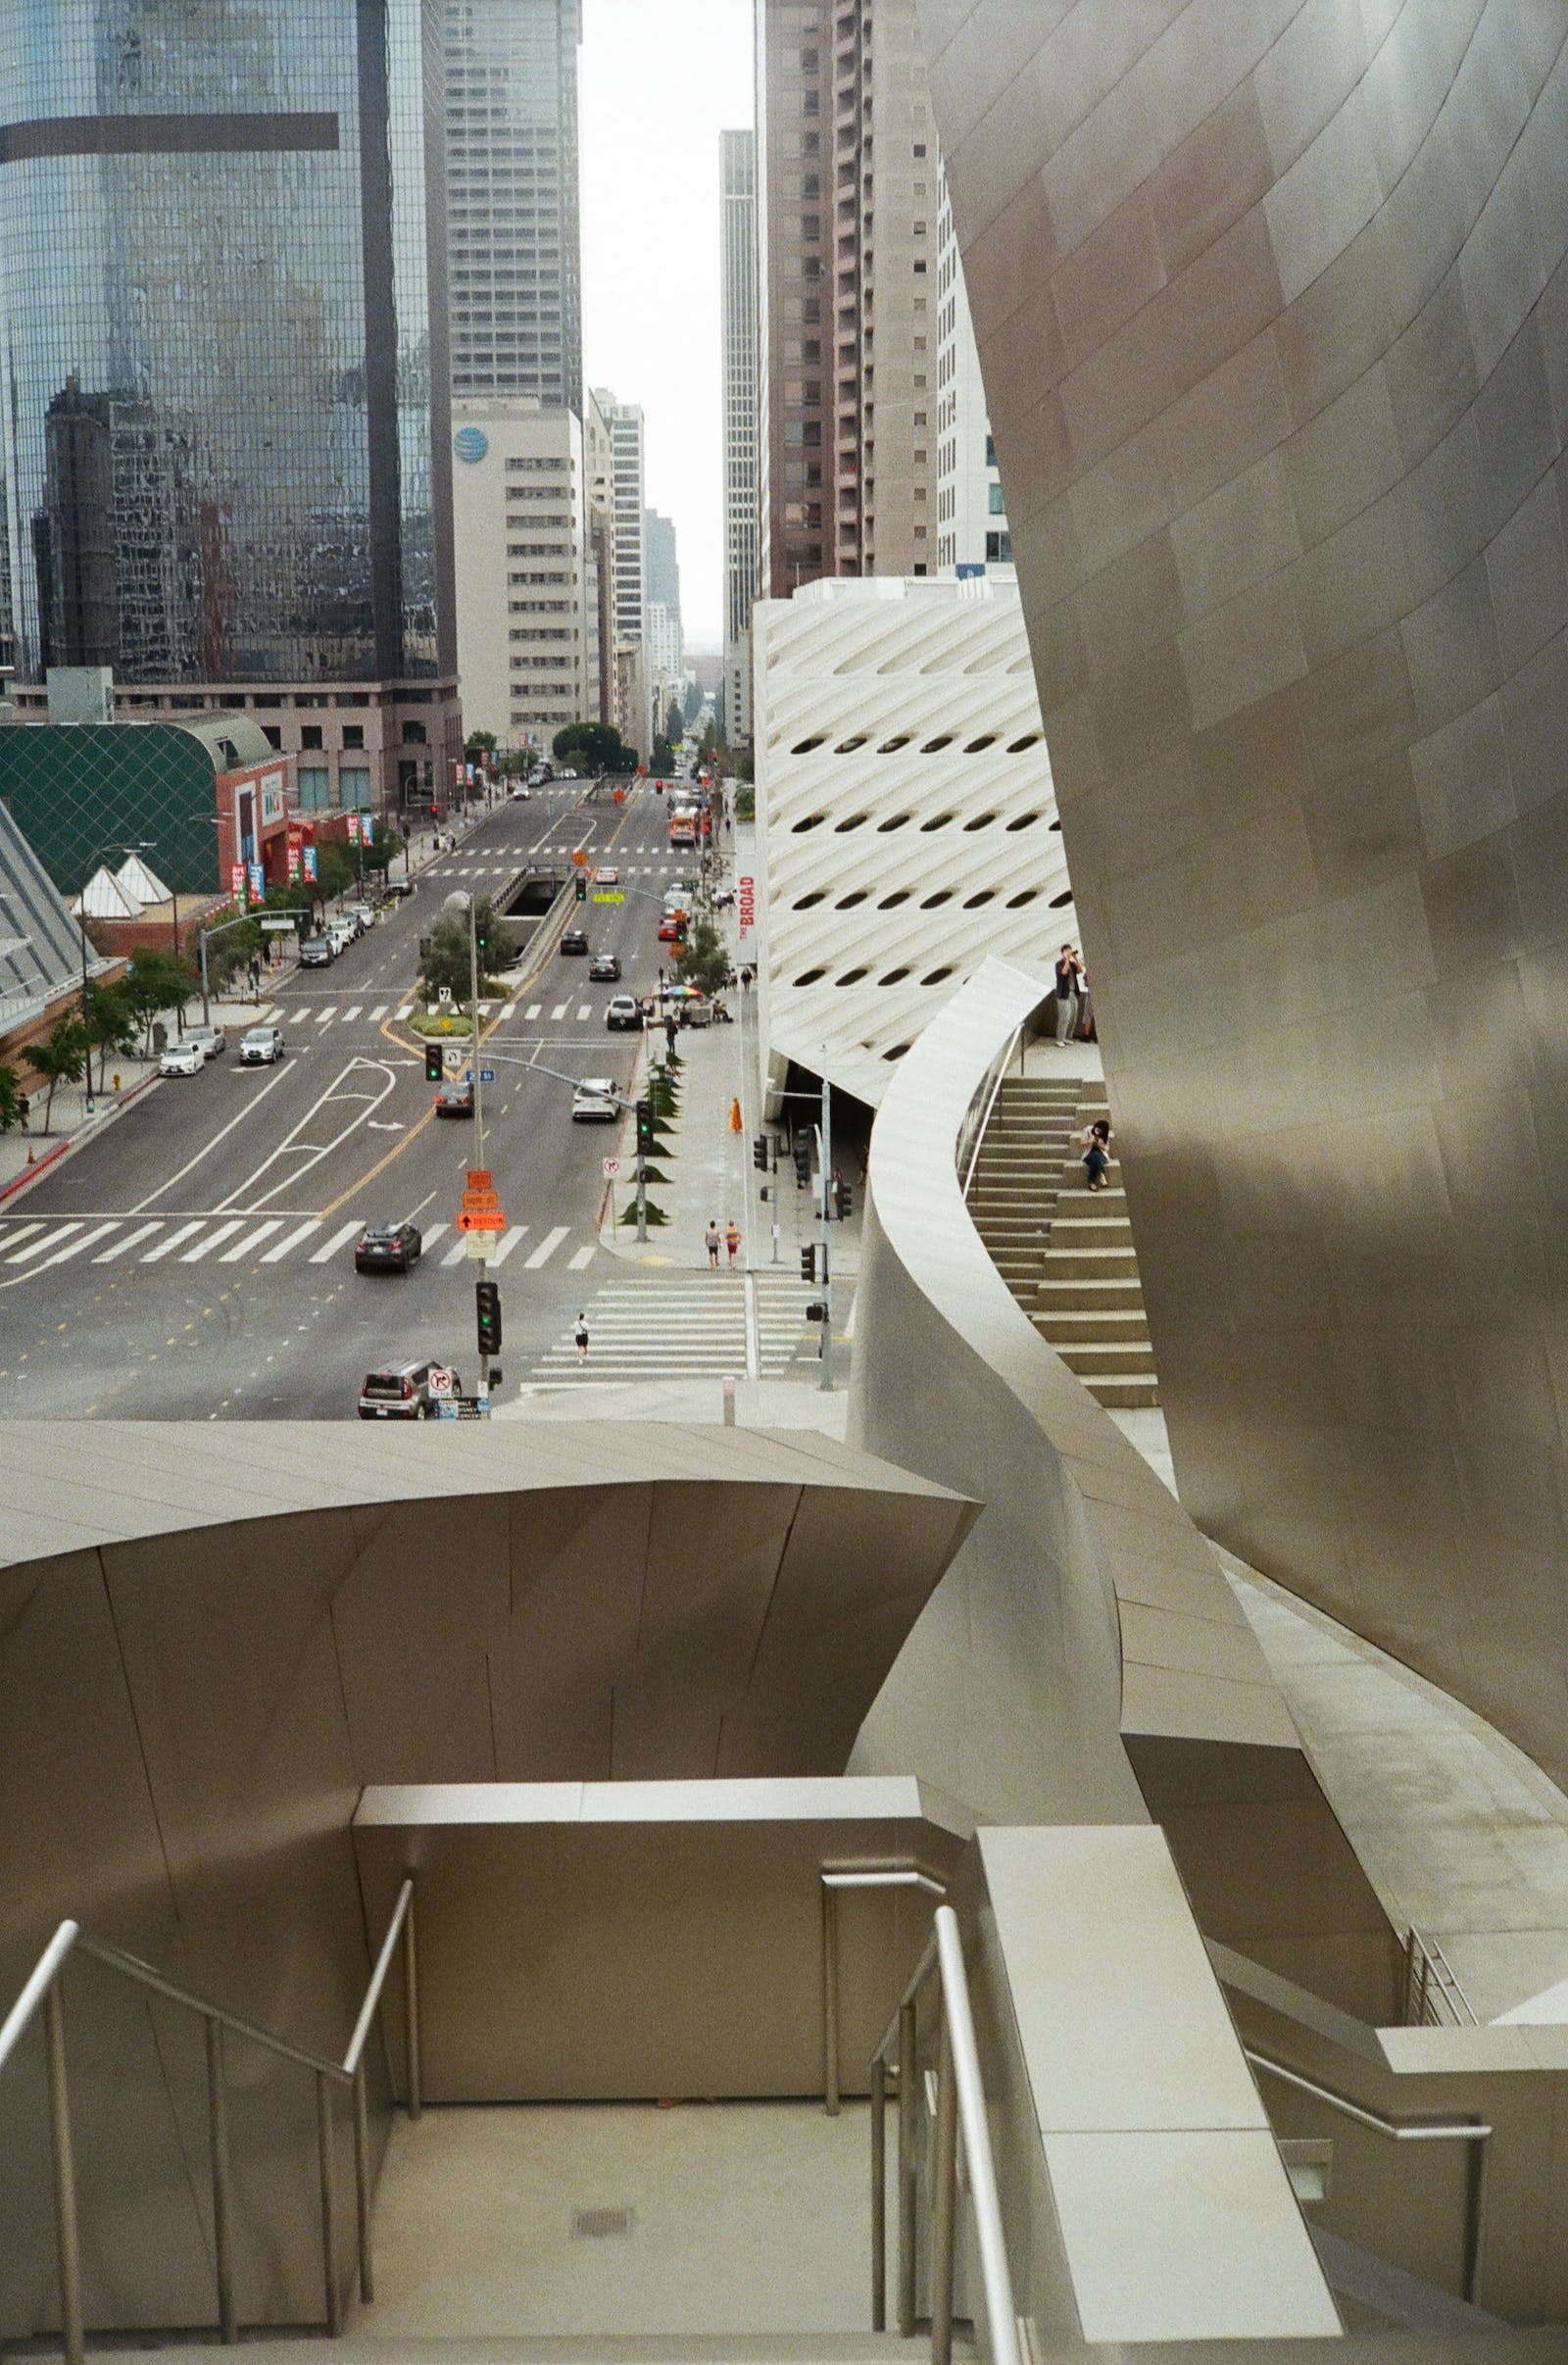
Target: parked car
520, 795
362, 916
260, 1046
623, 1015
182, 1060
574, 940
594, 1101
399, 887
317, 953
211, 1039
605, 969
387, 1247
568, 775
341, 933
403, 1391
454, 1097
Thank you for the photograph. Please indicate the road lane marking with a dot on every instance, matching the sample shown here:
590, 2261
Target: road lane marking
352, 1012
533, 1010
87, 1240
455, 1254
546, 1248
506, 1243
585, 1012
560, 1011
21, 1232
292, 1240
143, 1204
379, 1013
143, 1231
252, 1239
167, 1248
575, 1264
329, 1247
407, 1012
295, 1142
432, 1234
214, 1239
321, 1016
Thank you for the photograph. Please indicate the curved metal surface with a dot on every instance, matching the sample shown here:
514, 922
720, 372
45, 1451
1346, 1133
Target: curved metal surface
1273, 328
1084, 1602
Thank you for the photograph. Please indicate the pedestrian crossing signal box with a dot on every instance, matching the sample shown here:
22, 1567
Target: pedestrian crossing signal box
435, 1064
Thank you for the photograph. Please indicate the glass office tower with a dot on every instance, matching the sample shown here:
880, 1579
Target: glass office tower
223, 440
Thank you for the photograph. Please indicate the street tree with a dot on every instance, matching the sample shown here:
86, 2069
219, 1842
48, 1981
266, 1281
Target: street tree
597, 744
662, 758
446, 963
479, 743
674, 722
10, 1098
693, 704
109, 1022
702, 961
59, 1059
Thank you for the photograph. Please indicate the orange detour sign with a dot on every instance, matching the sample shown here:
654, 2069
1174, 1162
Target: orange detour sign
580, 856
481, 1203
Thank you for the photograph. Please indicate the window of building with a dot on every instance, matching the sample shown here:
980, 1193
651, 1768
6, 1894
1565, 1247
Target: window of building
994, 501
1000, 548
414, 734
354, 786
991, 451
353, 734
313, 781
310, 735
271, 734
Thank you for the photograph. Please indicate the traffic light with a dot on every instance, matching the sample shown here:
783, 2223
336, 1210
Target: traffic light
487, 1307
645, 1128
802, 1160
843, 1199
809, 1263
582, 888
432, 1064
759, 1152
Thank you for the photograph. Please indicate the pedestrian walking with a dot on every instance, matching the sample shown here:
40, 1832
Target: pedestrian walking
580, 1335
1096, 1139
732, 1239
1069, 981
669, 1037
24, 1110
711, 1242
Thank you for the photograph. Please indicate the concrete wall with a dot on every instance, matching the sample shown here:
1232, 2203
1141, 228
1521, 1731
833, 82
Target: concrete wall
1272, 308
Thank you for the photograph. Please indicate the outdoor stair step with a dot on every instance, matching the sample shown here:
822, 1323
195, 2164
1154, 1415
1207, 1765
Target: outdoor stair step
1126, 1393
1089, 1265
1084, 1295
1108, 1359
1066, 1327
1091, 1231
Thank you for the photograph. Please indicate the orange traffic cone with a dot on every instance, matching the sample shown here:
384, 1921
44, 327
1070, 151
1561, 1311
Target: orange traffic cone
735, 1119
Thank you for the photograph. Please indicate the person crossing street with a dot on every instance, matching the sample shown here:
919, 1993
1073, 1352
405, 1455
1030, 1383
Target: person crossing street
711, 1242
732, 1239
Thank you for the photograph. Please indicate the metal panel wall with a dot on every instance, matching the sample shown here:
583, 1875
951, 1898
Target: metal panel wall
1272, 308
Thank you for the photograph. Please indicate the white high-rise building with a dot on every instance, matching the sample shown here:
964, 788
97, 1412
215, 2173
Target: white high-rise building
513, 248
738, 273
971, 515
628, 555
525, 650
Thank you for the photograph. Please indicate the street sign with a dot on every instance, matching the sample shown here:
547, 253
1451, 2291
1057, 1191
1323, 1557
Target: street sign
579, 855
276, 927
478, 1179
443, 1383
443, 992
611, 1168
609, 898
746, 903
487, 1076
481, 1220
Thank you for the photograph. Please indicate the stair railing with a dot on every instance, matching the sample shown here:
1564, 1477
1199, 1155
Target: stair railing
972, 1132
836, 1878
961, 2104
1433, 1995
43, 1992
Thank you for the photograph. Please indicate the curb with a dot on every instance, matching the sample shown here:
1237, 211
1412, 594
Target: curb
74, 1141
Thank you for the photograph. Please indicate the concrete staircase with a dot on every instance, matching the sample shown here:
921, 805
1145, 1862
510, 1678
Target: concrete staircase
1065, 1252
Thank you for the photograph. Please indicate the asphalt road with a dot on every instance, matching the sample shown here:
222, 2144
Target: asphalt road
195, 1260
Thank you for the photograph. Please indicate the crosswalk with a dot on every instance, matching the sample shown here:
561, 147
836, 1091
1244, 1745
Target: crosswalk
303, 1022
480, 870
685, 1325
42, 1245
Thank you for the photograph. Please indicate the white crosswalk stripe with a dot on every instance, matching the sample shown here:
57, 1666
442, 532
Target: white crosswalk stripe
167, 1248
292, 1240
533, 1010
506, 1243
510, 1011
214, 1239
406, 1010
379, 1013
585, 1010
252, 1239
352, 1012
322, 1017
143, 1231
36, 1247
74, 1247
560, 1011
687, 1324
579, 1258
432, 1233
455, 1253
546, 1250
339, 1240
19, 1232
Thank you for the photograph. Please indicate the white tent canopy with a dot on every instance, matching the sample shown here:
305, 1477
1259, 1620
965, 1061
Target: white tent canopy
104, 898
142, 885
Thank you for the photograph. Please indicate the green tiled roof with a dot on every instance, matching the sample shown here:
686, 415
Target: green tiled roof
75, 789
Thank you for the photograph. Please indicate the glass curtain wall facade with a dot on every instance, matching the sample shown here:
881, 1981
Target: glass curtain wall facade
223, 429
514, 240
738, 266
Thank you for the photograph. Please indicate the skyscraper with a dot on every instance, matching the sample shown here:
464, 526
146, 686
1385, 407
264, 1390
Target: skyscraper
628, 559
971, 513
514, 244
738, 275
223, 433
666, 640
847, 196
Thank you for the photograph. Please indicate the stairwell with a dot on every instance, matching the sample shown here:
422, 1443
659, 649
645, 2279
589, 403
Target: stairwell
1065, 1252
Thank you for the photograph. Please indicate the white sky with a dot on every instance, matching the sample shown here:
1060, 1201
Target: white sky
660, 80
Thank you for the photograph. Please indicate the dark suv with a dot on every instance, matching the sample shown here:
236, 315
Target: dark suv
387, 1247
403, 1391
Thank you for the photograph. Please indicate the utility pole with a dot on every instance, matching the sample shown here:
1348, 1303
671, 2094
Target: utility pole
478, 1110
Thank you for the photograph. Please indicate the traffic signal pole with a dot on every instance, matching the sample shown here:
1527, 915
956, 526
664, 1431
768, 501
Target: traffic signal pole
478, 1110
826, 1379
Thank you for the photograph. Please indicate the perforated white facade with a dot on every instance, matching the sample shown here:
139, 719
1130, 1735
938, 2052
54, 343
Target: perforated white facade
906, 819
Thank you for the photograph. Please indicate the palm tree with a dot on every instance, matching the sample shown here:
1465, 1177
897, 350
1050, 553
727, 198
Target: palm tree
59, 1059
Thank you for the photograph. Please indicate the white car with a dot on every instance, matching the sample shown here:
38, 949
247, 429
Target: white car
209, 1040
520, 796
182, 1060
594, 1101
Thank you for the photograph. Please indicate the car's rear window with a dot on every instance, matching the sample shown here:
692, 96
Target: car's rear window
383, 1383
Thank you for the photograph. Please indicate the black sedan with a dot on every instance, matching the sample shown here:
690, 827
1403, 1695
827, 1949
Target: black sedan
387, 1247
574, 940
605, 969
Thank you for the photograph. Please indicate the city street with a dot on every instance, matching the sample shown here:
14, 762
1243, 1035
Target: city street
195, 1259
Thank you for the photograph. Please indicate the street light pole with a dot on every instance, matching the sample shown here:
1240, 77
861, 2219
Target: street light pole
461, 898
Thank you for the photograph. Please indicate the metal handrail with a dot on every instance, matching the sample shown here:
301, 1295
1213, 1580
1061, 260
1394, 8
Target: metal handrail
961, 2104
42, 1991
836, 1878
980, 1130
1430, 1983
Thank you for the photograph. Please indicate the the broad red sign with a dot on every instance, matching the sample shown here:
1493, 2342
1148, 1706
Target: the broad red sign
746, 903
